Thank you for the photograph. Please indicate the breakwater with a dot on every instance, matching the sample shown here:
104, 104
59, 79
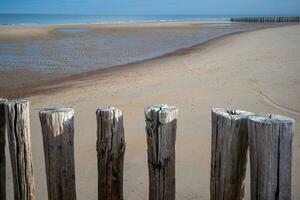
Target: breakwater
273, 19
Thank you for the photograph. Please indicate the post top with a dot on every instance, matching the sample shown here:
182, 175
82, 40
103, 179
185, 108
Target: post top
164, 112
109, 112
232, 113
2, 100
54, 110
18, 101
271, 119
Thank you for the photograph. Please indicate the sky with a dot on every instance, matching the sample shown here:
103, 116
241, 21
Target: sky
152, 7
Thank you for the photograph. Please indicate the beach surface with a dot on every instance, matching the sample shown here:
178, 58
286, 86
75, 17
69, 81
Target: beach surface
31, 53
256, 71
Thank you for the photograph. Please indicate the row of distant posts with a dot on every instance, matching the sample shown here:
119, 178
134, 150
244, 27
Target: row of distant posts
268, 19
268, 136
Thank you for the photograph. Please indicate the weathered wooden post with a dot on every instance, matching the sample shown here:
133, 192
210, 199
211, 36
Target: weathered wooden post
161, 125
58, 139
270, 140
110, 153
18, 131
229, 145
2, 150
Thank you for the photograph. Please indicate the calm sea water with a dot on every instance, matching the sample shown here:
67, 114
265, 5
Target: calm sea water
8, 19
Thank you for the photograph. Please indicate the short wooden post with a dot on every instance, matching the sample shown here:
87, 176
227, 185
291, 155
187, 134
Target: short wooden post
270, 140
229, 146
161, 125
110, 153
58, 139
18, 131
2, 150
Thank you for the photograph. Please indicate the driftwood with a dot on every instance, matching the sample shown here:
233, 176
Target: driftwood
229, 146
270, 140
161, 124
18, 131
110, 153
2, 150
58, 139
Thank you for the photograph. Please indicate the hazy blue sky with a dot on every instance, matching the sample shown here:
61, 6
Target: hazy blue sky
159, 7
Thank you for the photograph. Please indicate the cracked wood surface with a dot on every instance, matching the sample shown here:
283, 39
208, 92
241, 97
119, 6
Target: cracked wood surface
229, 146
270, 141
110, 153
18, 131
161, 125
58, 139
2, 150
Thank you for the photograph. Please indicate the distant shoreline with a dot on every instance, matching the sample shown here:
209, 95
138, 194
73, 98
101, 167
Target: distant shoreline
174, 22
54, 19
117, 23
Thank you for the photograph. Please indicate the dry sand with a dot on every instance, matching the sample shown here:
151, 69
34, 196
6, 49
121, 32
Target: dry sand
256, 71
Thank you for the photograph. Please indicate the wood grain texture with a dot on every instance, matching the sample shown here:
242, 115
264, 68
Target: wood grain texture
58, 139
270, 140
2, 150
229, 146
161, 125
18, 131
110, 153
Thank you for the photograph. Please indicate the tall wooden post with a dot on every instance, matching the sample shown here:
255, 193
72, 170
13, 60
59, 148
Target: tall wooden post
229, 146
18, 131
161, 124
58, 139
2, 150
270, 140
110, 153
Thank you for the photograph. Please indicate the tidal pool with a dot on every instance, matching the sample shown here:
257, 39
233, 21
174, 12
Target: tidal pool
222, 25
73, 30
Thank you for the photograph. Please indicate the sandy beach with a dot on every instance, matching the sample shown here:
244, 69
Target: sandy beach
256, 71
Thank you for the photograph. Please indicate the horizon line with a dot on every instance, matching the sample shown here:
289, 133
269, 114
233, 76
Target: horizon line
147, 14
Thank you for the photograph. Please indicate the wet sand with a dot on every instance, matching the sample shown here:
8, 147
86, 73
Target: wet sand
43, 52
256, 71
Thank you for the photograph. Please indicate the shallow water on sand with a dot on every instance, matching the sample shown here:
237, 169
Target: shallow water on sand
82, 49
222, 25
73, 30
